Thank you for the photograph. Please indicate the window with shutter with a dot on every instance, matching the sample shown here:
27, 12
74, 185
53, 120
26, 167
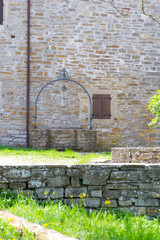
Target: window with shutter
101, 106
1, 12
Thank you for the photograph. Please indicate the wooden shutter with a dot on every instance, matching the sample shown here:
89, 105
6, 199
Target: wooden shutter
106, 106
101, 106
1, 12
97, 106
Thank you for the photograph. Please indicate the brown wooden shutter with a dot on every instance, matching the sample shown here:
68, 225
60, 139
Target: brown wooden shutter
1, 12
97, 112
106, 106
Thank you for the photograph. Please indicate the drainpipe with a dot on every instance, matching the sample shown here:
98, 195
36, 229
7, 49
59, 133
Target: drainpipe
28, 72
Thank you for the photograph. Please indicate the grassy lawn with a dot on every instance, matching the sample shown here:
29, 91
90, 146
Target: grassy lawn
76, 222
34, 156
8, 232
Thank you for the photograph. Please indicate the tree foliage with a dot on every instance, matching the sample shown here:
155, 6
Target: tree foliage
154, 106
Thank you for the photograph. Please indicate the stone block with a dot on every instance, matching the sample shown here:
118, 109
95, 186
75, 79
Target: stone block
146, 186
92, 202
134, 210
154, 173
154, 194
121, 186
56, 193
125, 203
75, 182
58, 181
17, 173
41, 173
124, 175
118, 175
28, 193
90, 188
75, 172
153, 211
36, 184
60, 171
43, 193
112, 194
146, 202
95, 177
75, 192
17, 185
111, 203
142, 175
96, 193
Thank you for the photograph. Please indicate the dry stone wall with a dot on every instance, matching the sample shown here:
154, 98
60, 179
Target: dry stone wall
136, 155
134, 187
106, 52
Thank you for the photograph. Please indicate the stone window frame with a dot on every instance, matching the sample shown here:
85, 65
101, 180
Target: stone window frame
5, 14
113, 106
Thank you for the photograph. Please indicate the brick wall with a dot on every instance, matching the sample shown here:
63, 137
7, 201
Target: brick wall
134, 187
106, 52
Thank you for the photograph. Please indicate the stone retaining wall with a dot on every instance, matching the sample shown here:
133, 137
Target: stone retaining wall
136, 155
78, 139
134, 187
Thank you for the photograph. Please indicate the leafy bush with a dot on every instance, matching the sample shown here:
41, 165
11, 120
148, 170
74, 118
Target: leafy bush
154, 106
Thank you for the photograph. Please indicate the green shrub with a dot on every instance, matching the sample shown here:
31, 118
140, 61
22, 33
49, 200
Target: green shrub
154, 106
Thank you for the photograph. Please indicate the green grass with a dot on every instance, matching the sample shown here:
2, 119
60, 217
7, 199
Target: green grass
76, 222
52, 156
8, 232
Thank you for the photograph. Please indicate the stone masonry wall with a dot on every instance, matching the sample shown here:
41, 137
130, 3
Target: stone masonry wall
134, 187
106, 52
136, 155
76, 139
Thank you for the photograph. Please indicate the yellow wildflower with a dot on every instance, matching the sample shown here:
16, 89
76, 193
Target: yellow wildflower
107, 202
86, 227
45, 224
71, 196
84, 194
54, 193
155, 210
11, 219
45, 193
59, 223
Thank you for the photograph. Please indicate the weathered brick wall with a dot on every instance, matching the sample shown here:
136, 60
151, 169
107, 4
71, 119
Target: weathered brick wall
136, 155
135, 188
101, 49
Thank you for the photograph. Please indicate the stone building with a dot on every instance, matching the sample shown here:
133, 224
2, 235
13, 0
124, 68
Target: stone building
109, 47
